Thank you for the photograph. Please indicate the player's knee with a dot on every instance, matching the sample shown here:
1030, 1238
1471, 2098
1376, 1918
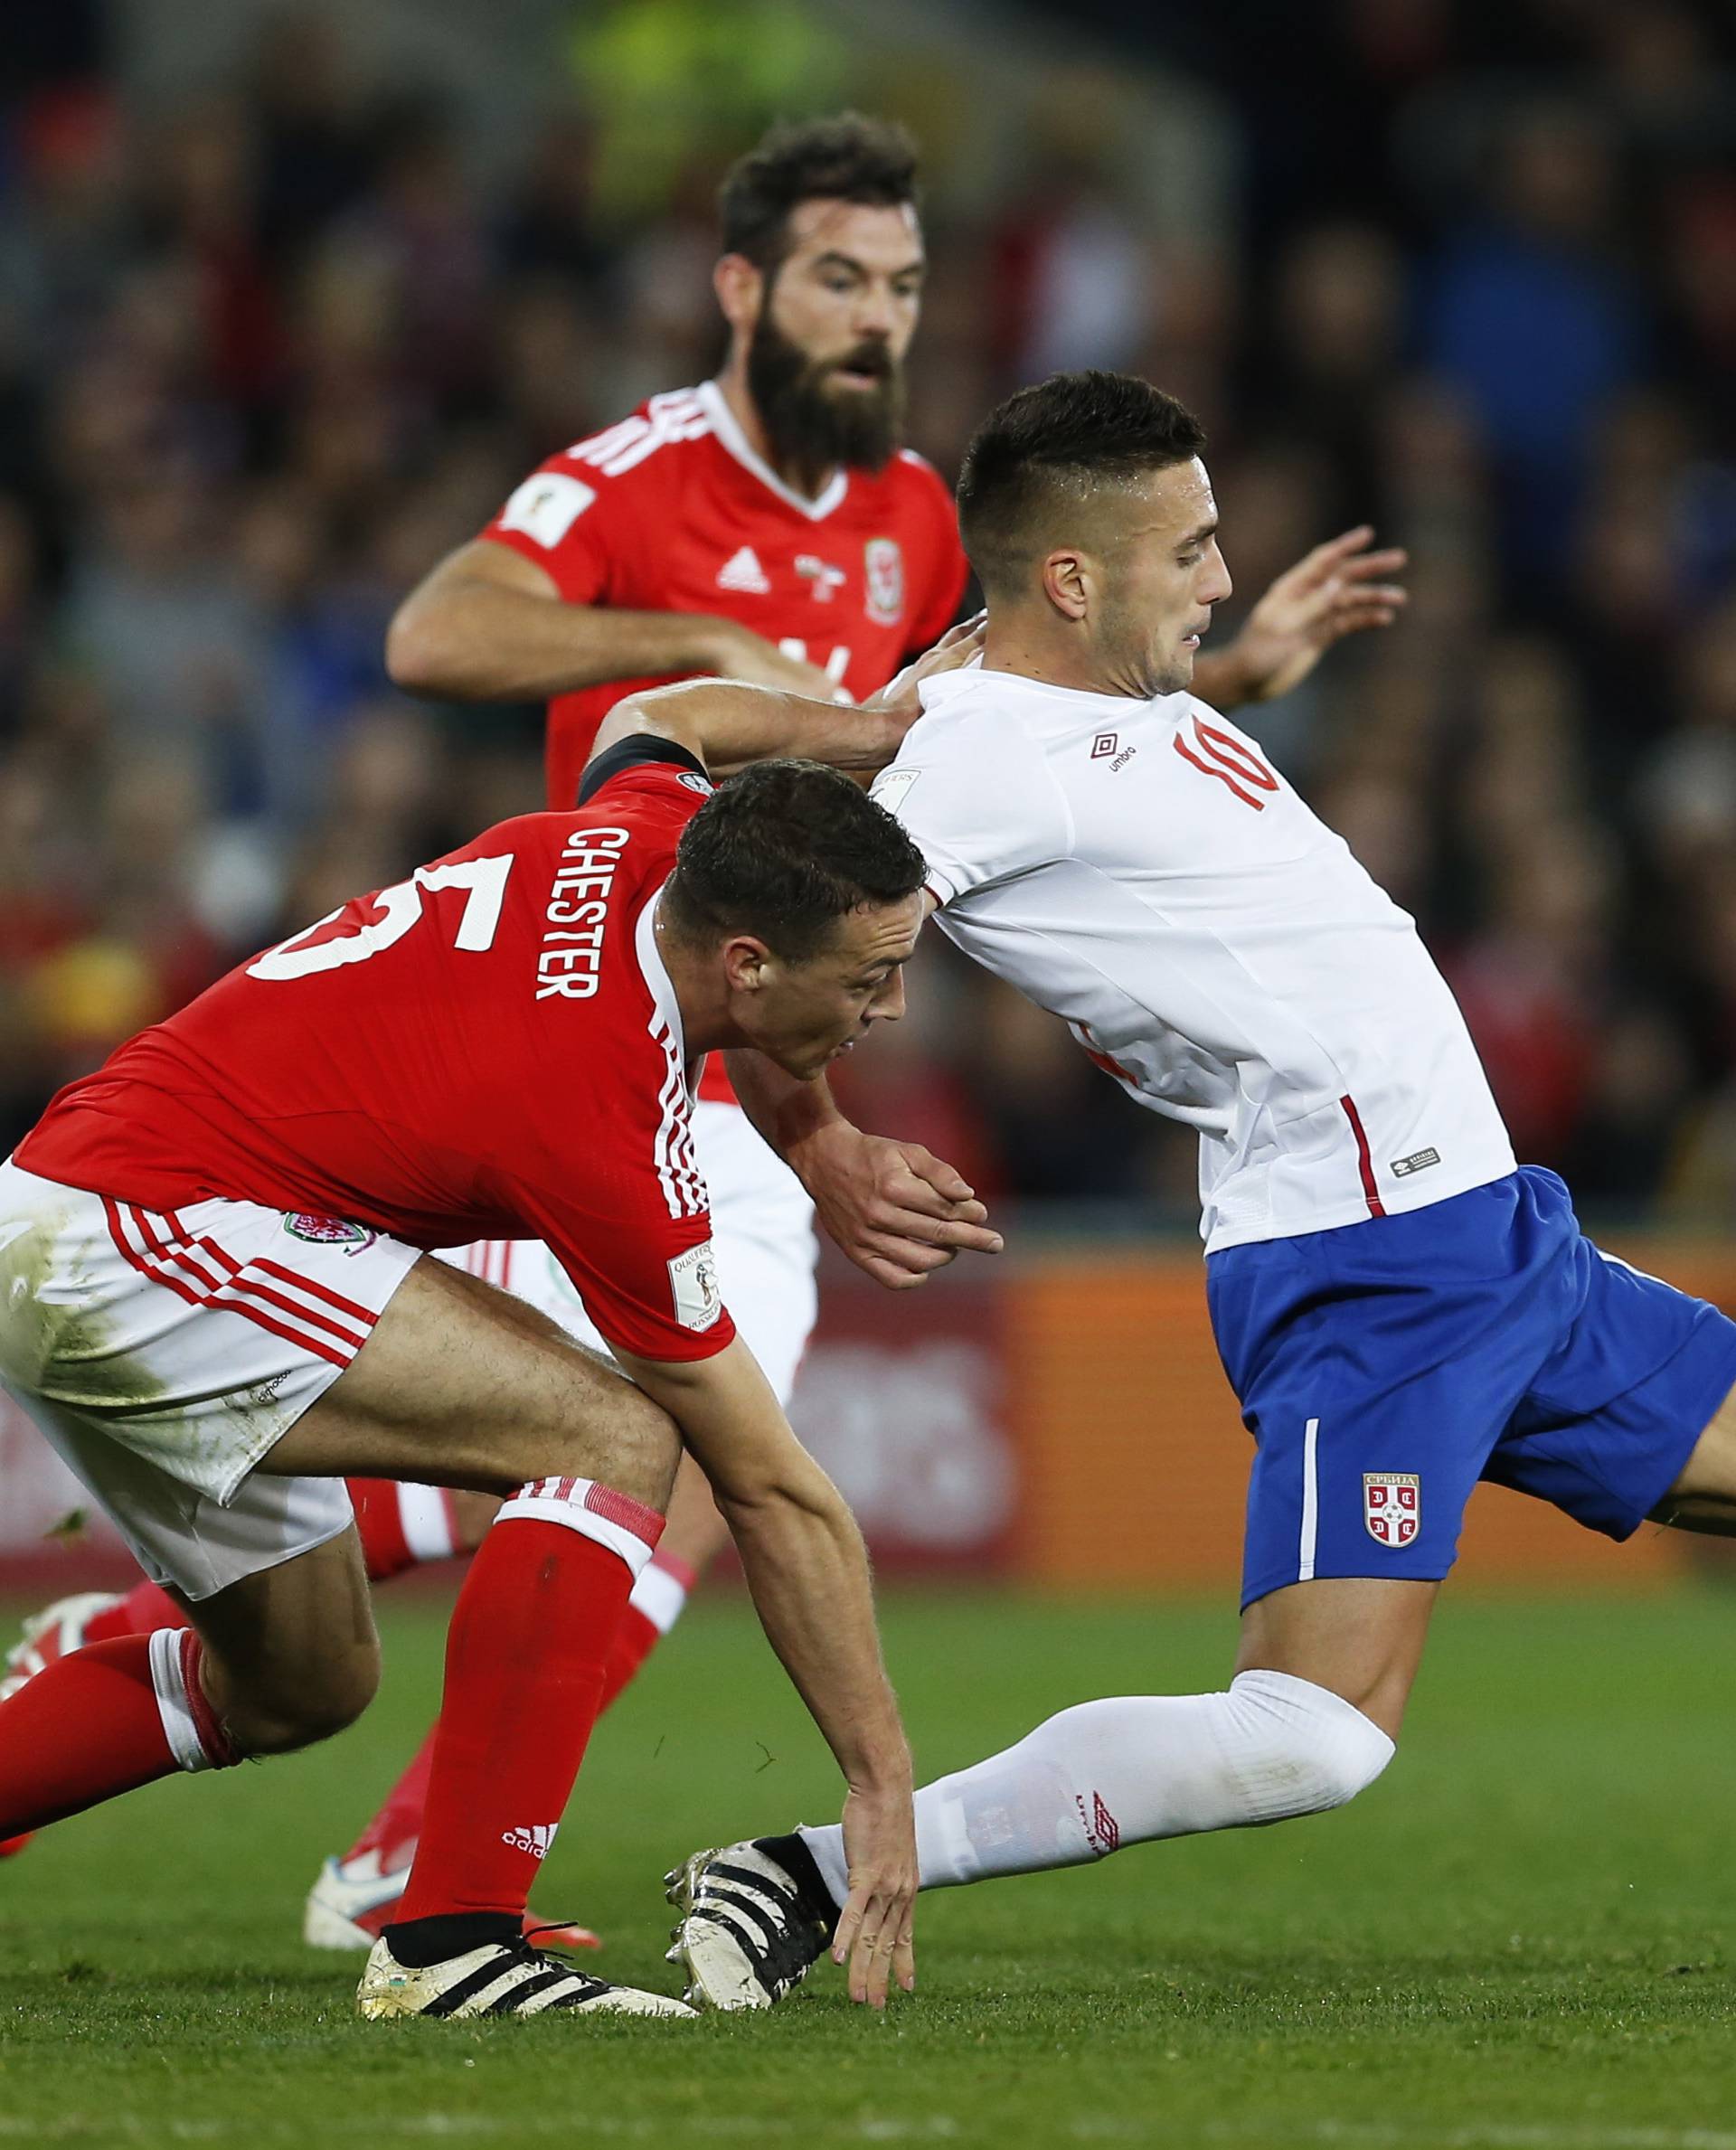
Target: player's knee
642, 1464
1308, 1749
285, 1716
612, 1432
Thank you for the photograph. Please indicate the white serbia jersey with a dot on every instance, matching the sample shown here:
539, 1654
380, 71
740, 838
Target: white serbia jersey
1140, 870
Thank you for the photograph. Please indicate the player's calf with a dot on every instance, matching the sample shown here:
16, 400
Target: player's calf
283, 1720
289, 1655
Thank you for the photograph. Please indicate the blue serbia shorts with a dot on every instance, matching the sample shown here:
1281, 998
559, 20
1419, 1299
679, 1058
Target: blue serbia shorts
1384, 1368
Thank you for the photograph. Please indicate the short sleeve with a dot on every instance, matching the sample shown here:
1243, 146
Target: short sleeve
978, 801
574, 526
646, 1271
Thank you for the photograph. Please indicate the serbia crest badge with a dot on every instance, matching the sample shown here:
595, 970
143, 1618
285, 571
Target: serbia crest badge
1392, 1506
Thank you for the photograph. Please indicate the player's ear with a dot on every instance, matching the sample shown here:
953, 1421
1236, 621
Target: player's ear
739, 288
746, 963
1066, 581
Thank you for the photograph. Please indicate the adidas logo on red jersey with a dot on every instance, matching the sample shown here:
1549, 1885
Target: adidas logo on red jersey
744, 571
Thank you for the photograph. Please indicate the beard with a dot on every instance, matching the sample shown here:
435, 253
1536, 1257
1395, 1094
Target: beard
813, 426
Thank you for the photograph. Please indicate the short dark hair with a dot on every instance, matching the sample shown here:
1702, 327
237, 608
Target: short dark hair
1055, 441
781, 851
846, 157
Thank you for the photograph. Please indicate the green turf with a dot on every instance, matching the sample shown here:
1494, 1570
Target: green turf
1520, 1937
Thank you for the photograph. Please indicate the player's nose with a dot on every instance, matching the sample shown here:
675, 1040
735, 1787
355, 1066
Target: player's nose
874, 317
1217, 585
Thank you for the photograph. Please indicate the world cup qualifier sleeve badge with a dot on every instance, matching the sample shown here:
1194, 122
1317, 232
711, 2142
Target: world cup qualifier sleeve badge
1392, 1506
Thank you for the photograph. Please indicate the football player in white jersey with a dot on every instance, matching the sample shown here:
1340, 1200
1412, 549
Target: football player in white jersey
826, 209
1400, 1310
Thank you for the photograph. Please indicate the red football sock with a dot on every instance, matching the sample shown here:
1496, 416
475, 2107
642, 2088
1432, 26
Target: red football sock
393, 1831
143, 1609
634, 1639
104, 1720
392, 1835
402, 1526
530, 1635
658, 1597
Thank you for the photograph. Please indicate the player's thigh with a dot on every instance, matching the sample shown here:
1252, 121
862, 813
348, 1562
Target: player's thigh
1361, 1637
762, 1232
291, 1653
462, 1384
1703, 1496
527, 1273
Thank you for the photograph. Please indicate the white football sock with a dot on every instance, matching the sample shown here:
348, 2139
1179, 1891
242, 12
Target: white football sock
1125, 1771
661, 1591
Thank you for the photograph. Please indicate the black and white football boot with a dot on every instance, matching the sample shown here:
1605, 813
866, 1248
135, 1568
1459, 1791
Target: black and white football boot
499, 1978
754, 1915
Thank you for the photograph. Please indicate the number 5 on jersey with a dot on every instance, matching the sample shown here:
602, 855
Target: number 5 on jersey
400, 906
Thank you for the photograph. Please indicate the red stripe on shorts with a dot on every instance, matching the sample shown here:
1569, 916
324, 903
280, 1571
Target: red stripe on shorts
160, 1250
135, 1260
219, 1297
319, 1291
244, 1279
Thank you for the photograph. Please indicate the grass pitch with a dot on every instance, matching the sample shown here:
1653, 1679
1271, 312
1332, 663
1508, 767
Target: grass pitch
1519, 1938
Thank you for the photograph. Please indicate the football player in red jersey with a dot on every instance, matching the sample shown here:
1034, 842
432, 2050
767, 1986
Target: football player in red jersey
214, 1305
768, 526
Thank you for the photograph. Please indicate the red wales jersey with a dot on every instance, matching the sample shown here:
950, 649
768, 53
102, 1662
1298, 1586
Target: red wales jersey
490, 1049
672, 511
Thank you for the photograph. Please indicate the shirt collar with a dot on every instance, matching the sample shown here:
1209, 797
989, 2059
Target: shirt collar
736, 443
665, 1008
1042, 703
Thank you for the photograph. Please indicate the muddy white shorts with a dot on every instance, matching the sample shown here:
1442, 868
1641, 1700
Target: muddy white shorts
762, 1233
164, 1355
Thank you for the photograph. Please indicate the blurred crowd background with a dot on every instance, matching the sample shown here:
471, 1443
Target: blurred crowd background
282, 322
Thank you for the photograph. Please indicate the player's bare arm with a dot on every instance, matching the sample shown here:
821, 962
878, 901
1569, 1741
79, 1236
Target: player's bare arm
1341, 588
488, 624
807, 1569
729, 724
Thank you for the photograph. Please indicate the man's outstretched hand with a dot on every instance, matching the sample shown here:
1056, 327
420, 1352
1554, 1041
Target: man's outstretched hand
874, 1930
1337, 589
894, 1208
899, 698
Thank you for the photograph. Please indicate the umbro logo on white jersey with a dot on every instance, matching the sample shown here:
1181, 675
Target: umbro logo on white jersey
535, 1841
1109, 743
742, 571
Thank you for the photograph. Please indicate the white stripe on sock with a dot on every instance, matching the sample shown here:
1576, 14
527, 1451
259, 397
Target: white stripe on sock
575, 1516
659, 1597
425, 1522
178, 1727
